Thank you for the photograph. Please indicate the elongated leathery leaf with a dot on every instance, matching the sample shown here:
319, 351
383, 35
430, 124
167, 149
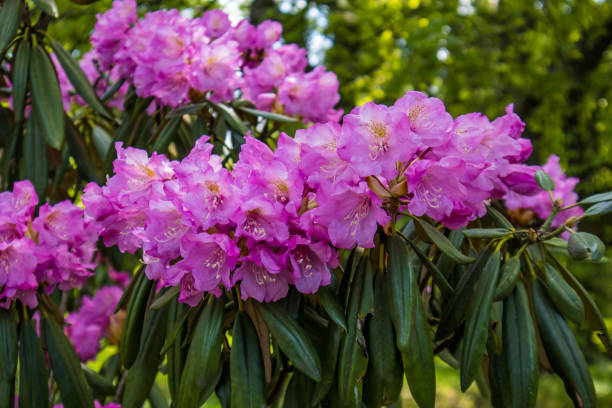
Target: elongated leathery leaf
353, 358
456, 308
563, 296
35, 157
78, 78
134, 319
20, 78
444, 244
46, 97
9, 21
142, 373
514, 373
509, 275
203, 365
477, 324
438, 276
384, 378
418, 359
246, 366
332, 306
74, 390
563, 351
292, 339
399, 277
329, 360
8, 356
33, 375
593, 315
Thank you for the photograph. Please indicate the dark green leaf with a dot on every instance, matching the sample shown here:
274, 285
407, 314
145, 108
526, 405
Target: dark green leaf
78, 79
597, 198
332, 306
353, 358
46, 97
203, 365
499, 218
418, 359
513, 374
165, 297
98, 383
144, 370
384, 378
584, 245
20, 78
33, 375
275, 117
48, 6
35, 156
593, 316
399, 277
134, 319
175, 353
75, 393
563, 351
329, 360
455, 309
9, 21
563, 296
444, 244
8, 344
187, 109
438, 276
544, 180
167, 134
599, 208
157, 397
509, 276
486, 233
477, 324
246, 366
291, 338
78, 150
233, 121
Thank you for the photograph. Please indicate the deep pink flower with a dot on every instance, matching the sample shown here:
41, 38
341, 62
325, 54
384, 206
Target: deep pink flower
351, 216
428, 118
374, 139
216, 22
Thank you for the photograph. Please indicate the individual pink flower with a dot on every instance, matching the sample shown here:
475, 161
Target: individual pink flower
209, 258
261, 276
374, 138
428, 118
309, 263
216, 22
351, 215
110, 30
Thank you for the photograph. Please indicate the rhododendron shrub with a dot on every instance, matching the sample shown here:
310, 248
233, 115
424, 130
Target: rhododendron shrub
279, 254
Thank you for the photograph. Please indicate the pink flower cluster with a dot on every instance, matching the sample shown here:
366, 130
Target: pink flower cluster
89, 324
202, 227
54, 249
170, 57
277, 217
540, 201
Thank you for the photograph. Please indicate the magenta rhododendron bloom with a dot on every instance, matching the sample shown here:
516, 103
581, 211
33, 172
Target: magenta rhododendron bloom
351, 215
427, 116
54, 249
88, 325
209, 258
166, 55
374, 138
